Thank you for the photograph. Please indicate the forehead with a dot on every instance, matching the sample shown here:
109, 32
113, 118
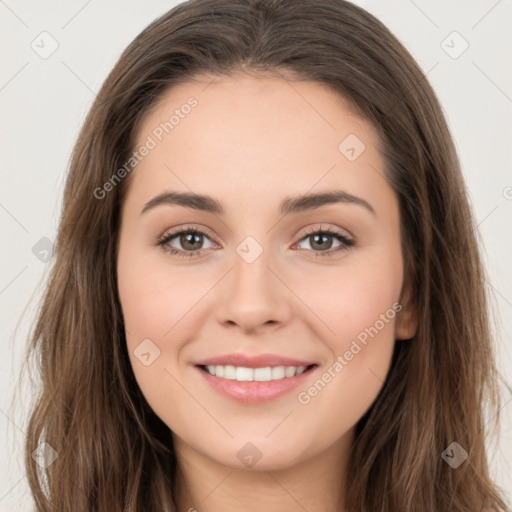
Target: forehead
225, 135
255, 104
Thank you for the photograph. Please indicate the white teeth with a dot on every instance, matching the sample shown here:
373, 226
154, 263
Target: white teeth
278, 372
289, 371
229, 372
262, 374
243, 374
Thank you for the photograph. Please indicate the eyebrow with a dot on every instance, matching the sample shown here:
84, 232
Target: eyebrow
293, 204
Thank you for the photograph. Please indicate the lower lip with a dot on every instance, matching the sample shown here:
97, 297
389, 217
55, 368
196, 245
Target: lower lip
254, 391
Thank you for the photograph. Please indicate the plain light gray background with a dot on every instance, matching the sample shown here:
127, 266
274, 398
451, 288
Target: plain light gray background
43, 103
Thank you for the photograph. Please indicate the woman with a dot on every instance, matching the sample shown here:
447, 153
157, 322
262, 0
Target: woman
267, 290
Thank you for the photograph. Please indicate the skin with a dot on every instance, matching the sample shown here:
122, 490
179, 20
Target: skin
250, 142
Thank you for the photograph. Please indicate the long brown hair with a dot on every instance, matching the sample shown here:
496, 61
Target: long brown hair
114, 453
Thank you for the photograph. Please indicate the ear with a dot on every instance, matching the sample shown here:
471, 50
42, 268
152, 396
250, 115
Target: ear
406, 324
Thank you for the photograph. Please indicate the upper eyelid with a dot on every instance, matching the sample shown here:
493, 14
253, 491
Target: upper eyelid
329, 229
173, 233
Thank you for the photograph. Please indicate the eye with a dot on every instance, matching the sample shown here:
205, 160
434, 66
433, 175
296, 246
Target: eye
190, 239
323, 239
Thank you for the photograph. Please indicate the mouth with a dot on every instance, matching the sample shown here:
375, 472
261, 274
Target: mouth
254, 385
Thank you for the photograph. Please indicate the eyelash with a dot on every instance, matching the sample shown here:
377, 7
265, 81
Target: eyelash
347, 243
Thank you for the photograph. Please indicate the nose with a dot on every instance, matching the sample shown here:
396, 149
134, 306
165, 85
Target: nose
253, 295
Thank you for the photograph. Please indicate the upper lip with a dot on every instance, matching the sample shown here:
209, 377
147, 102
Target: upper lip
253, 361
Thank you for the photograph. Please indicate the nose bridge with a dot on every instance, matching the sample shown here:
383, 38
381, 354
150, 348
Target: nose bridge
253, 295
251, 274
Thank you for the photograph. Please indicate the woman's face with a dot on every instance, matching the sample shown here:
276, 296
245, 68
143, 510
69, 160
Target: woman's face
298, 281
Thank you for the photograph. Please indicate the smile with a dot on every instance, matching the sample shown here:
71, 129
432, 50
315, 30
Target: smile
254, 385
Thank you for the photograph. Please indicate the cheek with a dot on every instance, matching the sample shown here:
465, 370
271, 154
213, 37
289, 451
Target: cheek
358, 308
357, 312
152, 307
162, 304
148, 301
352, 299
153, 296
